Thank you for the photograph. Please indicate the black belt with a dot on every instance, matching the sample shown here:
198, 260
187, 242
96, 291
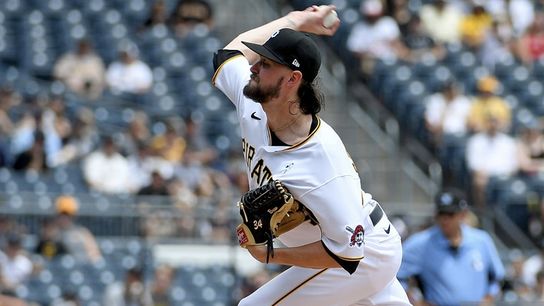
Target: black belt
376, 214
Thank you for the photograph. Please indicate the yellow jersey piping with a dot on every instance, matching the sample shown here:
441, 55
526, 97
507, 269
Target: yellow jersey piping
307, 138
297, 287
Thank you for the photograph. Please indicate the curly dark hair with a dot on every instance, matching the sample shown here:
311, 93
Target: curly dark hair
310, 98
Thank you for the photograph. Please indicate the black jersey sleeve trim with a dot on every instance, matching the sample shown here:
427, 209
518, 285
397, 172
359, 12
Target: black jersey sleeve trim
348, 265
222, 56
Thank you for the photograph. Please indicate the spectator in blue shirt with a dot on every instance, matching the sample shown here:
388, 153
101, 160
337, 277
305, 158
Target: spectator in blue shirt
451, 262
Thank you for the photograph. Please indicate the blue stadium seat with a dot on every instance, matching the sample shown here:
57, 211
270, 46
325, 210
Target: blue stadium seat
425, 68
503, 69
514, 201
538, 69
394, 83
518, 80
407, 99
437, 78
451, 155
464, 66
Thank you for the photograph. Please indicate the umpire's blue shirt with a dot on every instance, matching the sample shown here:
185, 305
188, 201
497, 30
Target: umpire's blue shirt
448, 276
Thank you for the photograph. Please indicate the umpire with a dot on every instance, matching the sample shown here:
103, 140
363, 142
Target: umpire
451, 262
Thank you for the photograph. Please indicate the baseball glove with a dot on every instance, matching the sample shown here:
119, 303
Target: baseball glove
262, 210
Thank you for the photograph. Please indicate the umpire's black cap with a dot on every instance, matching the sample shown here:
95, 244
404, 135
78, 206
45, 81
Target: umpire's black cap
450, 202
293, 49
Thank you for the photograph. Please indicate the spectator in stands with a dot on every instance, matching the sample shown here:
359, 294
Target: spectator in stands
107, 171
400, 11
419, 43
157, 187
136, 133
198, 149
453, 262
531, 148
131, 292
221, 223
77, 239
490, 153
9, 227
190, 13
162, 223
513, 282
486, 104
184, 196
446, 112
55, 120
530, 46
441, 20
129, 74
522, 14
474, 26
375, 37
238, 177
30, 125
81, 70
33, 159
539, 287
144, 162
49, 244
22, 135
531, 267
67, 299
157, 16
170, 144
15, 266
8, 99
162, 285
498, 44
82, 140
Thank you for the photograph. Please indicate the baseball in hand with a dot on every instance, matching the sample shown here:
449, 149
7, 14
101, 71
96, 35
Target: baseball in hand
330, 19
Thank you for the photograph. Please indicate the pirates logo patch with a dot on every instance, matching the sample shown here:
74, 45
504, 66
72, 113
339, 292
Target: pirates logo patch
357, 235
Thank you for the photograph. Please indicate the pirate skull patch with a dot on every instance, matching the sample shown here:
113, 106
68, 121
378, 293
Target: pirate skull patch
357, 235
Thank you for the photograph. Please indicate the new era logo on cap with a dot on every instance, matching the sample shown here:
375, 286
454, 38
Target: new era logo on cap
293, 49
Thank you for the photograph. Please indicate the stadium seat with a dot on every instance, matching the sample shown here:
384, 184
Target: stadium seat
538, 69
518, 80
394, 83
383, 71
425, 67
410, 96
514, 201
503, 69
436, 79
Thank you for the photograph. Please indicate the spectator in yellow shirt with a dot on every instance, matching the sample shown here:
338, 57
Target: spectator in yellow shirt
169, 145
487, 104
475, 26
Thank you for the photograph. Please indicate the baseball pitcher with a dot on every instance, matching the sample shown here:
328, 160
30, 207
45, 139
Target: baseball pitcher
305, 190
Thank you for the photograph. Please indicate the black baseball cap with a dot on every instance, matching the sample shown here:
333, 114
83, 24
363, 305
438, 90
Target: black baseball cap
450, 202
293, 49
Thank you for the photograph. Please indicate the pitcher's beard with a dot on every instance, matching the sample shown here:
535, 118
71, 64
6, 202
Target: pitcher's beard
262, 94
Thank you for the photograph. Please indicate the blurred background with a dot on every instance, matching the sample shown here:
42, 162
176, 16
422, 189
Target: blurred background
120, 164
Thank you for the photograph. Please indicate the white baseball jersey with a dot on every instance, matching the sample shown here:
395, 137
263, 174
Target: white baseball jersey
320, 174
